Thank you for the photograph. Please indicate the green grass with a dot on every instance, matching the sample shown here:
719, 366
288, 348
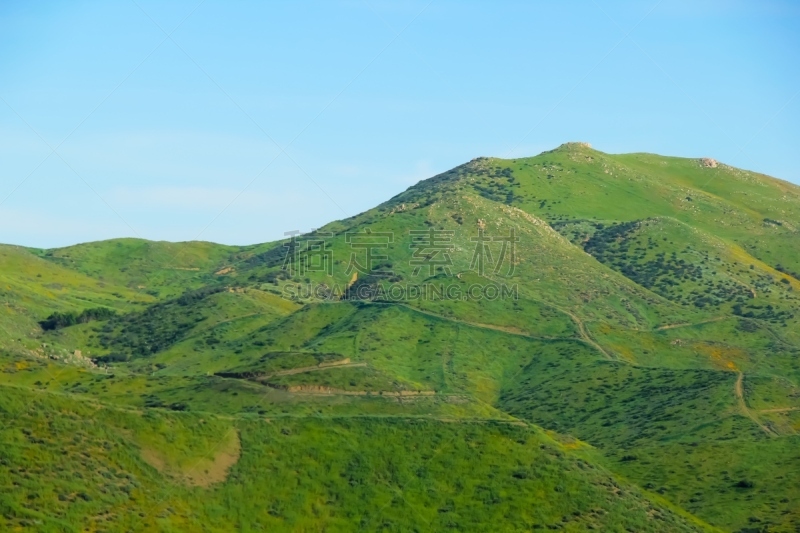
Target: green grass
350, 379
301, 474
677, 432
162, 269
642, 375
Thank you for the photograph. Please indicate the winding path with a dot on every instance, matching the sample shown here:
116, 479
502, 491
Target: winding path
582, 331
738, 389
688, 324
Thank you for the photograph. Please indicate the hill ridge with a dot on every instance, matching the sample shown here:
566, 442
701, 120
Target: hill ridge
621, 332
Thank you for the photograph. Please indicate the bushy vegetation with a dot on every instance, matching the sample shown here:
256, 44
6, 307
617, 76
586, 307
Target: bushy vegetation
61, 320
159, 326
643, 377
667, 258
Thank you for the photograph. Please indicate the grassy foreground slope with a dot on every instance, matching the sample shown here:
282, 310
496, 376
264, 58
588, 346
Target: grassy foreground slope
652, 331
73, 466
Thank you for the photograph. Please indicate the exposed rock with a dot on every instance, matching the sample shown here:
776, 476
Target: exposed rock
708, 162
575, 145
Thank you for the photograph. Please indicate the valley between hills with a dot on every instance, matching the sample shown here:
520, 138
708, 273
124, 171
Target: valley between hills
573, 341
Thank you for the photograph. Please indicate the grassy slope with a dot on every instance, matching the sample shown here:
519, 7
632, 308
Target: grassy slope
679, 432
549, 269
118, 470
625, 335
162, 269
739, 218
32, 288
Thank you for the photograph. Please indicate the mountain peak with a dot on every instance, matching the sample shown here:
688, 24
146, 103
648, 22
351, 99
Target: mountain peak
574, 145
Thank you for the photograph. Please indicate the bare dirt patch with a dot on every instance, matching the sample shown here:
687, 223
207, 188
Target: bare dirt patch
202, 471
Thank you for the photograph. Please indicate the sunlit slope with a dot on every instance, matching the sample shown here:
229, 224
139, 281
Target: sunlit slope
196, 321
684, 264
753, 217
343, 348
416, 352
576, 181
91, 467
162, 269
32, 288
547, 267
649, 308
700, 272
759, 213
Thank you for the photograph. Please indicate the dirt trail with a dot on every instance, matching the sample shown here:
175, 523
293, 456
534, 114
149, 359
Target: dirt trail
303, 369
689, 324
137, 411
738, 389
503, 329
582, 331
319, 390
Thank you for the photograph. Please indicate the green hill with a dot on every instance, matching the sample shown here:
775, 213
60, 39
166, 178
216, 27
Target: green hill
570, 341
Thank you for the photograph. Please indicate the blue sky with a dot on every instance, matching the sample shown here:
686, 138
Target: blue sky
256, 118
